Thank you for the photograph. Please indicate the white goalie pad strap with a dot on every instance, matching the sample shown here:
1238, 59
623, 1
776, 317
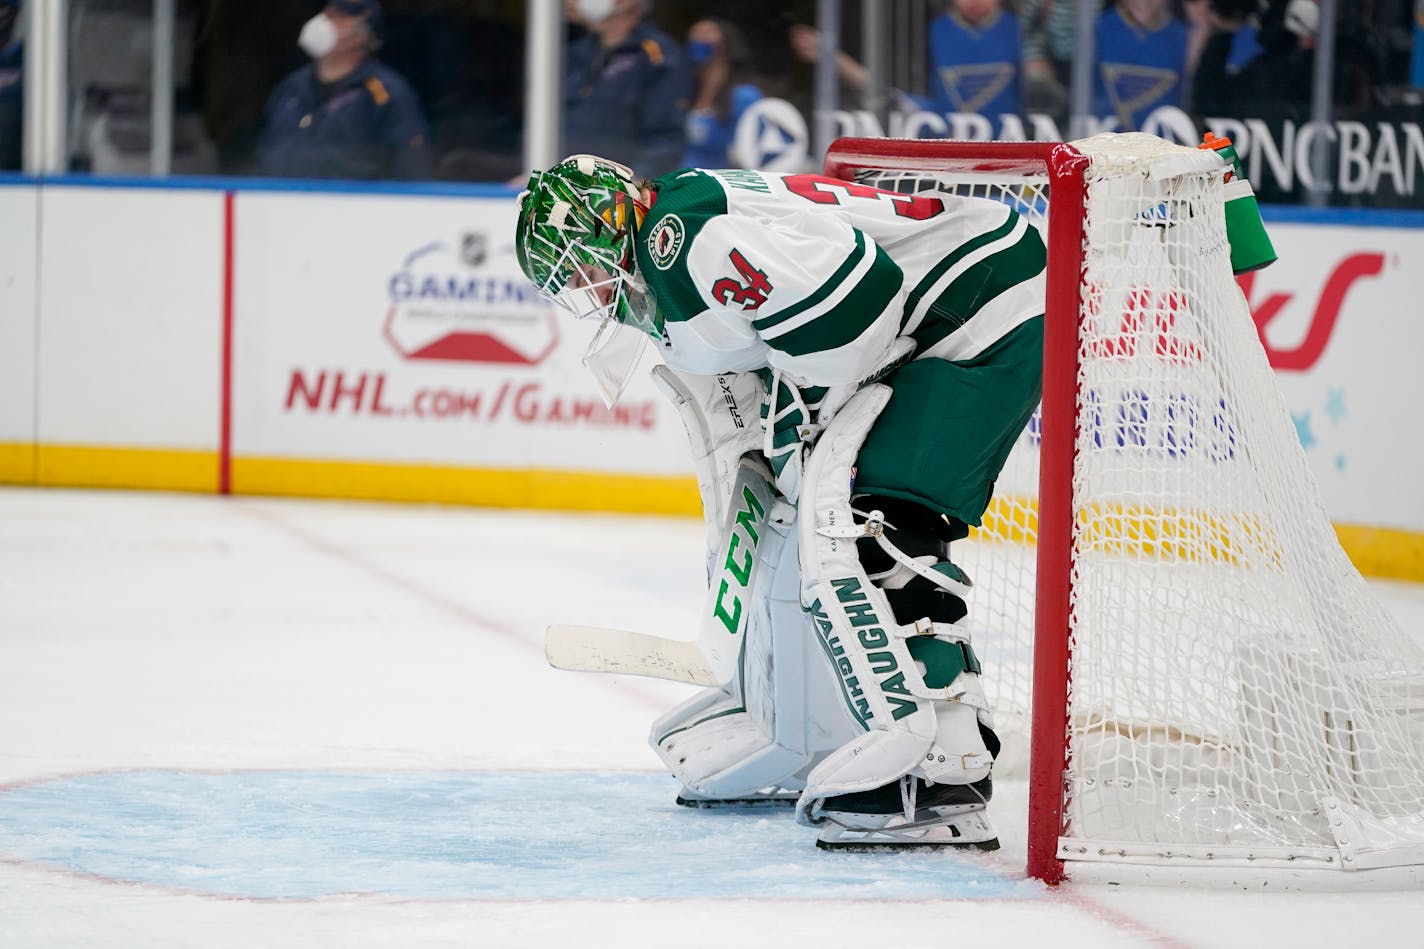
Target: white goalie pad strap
874, 525
722, 417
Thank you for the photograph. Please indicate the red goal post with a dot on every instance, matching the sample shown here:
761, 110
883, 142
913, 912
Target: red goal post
1063, 165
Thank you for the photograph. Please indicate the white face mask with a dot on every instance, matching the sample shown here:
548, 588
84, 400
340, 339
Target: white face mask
594, 11
318, 36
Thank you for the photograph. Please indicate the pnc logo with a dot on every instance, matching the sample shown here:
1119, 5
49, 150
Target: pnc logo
1322, 321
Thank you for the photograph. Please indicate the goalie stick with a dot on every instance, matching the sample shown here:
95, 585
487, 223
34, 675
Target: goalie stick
597, 649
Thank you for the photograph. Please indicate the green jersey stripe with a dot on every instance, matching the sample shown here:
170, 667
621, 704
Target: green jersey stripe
833, 283
939, 272
973, 289
852, 316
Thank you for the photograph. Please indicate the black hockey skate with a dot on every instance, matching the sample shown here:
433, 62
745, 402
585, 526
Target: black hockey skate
909, 814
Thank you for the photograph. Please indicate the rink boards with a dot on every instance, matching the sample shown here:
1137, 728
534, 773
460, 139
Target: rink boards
382, 344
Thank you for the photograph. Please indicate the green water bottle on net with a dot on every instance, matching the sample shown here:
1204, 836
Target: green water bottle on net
1250, 244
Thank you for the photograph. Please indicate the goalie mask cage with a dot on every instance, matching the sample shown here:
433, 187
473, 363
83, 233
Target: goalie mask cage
1159, 592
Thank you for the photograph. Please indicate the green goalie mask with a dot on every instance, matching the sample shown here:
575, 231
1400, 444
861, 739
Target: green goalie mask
574, 240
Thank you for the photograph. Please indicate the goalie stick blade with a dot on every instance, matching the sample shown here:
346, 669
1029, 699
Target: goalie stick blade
596, 649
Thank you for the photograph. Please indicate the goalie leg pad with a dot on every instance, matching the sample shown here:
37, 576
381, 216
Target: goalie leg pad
919, 708
775, 711
714, 745
752, 536
720, 414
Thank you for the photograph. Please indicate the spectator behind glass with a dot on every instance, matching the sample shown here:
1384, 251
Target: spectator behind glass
346, 115
974, 51
975, 54
1049, 34
1141, 61
1278, 81
1229, 35
12, 70
721, 65
1416, 70
627, 87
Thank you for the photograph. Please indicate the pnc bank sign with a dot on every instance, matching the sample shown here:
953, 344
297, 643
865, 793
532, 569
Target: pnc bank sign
1384, 158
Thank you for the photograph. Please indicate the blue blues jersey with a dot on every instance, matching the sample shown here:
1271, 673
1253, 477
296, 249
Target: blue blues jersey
1416, 69
976, 67
1138, 70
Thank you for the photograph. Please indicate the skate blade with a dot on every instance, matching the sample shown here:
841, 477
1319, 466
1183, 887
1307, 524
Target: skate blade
956, 827
884, 846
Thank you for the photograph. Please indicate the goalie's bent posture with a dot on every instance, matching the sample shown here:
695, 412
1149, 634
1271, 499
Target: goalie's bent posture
892, 346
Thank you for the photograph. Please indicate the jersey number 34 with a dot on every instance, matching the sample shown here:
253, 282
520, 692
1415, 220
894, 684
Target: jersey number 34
750, 292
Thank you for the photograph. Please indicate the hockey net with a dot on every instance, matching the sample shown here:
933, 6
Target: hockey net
1237, 697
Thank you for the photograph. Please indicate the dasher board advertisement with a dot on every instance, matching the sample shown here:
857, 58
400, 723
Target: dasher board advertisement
400, 329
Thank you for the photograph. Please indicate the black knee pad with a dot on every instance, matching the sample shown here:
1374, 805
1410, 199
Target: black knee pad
914, 529
917, 531
920, 598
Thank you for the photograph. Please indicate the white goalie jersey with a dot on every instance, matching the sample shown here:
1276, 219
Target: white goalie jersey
817, 277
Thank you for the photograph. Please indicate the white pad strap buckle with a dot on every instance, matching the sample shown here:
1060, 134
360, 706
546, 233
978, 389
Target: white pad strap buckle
874, 526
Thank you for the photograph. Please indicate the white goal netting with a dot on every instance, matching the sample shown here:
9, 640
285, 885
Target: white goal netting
1236, 694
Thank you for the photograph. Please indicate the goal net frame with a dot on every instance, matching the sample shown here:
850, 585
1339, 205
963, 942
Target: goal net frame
1065, 168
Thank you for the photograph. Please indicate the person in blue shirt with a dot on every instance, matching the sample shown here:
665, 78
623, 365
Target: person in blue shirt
12, 71
976, 55
627, 87
1416, 68
721, 62
346, 115
1141, 61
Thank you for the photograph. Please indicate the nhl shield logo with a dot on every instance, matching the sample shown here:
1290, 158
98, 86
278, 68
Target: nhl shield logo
665, 241
464, 300
474, 248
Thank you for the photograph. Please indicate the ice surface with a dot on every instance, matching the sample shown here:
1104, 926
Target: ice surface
256, 722
447, 835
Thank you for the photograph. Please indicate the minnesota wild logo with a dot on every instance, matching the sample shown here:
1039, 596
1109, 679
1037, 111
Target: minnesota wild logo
665, 241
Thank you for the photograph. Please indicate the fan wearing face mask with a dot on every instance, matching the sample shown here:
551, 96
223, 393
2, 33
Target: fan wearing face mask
627, 86
346, 114
725, 90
